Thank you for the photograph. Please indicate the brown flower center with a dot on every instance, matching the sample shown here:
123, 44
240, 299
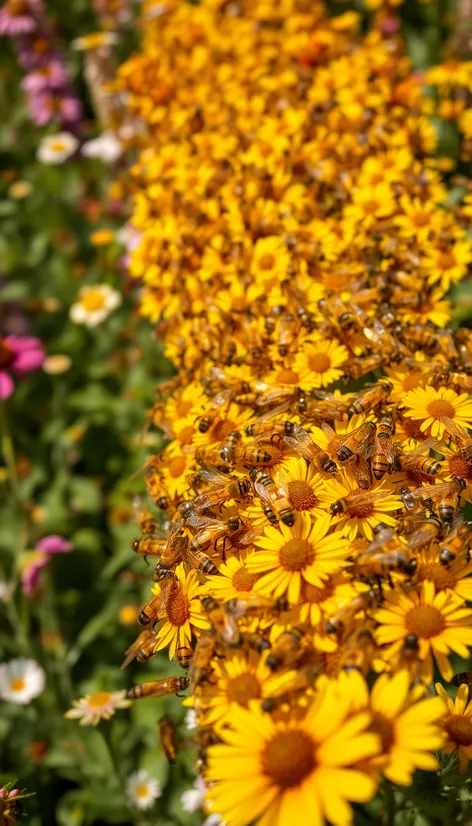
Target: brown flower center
370, 207
316, 595
412, 429
288, 758
384, 728
243, 688
301, 495
177, 466
446, 261
460, 467
99, 699
177, 608
412, 380
296, 554
440, 575
425, 621
267, 261
319, 362
6, 354
286, 376
186, 435
221, 429
421, 219
242, 580
439, 408
459, 729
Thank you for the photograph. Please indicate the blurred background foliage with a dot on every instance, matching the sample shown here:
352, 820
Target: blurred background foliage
71, 445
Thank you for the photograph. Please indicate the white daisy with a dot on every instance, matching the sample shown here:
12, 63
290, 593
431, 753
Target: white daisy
105, 147
55, 149
94, 304
191, 719
192, 799
6, 590
101, 705
21, 680
142, 789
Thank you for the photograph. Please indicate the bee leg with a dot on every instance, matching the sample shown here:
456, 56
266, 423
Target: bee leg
378, 580
390, 581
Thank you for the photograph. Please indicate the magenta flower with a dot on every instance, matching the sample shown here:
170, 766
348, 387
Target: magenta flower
10, 807
47, 105
18, 356
36, 560
51, 76
54, 544
18, 17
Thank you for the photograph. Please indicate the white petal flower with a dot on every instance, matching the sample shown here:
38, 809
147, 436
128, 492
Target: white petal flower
101, 705
191, 719
94, 305
192, 799
106, 147
142, 789
21, 680
55, 149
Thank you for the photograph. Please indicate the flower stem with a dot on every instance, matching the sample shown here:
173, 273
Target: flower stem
8, 453
389, 804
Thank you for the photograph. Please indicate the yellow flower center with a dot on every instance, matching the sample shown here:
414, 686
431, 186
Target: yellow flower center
142, 790
242, 580
92, 301
186, 435
177, 608
412, 429
420, 218
446, 261
296, 554
183, 407
425, 621
460, 467
439, 408
301, 495
99, 699
267, 261
288, 758
18, 684
243, 688
177, 466
57, 146
459, 729
370, 207
286, 376
385, 729
440, 575
319, 362
222, 428
412, 380
316, 595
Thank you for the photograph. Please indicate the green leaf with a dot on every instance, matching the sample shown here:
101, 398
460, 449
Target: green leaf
95, 627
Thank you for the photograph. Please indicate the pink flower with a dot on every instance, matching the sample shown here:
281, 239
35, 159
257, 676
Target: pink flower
36, 560
54, 544
9, 809
51, 76
19, 355
18, 17
47, 105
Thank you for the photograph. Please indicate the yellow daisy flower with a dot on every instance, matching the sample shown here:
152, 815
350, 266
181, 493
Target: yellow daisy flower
317, 602
237, 679
454, 577
233, 581
448, 265
184, 615
439, 621
318, 362
268, 771
287, 556
302, 483
175, 464
361, 516
457, 724
407, 725
430, 406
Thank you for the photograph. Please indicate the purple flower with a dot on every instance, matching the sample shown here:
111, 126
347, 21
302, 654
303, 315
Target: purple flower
18, 356
54, 544
36, 51
51, 76
47, 105
19, 17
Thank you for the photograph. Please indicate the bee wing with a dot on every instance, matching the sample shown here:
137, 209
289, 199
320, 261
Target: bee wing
432, 490
328, 431
379, 541
131, 653
212, 474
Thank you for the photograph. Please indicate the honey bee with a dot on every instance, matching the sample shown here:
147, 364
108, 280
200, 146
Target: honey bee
216, 535
322, 405
382, 340
347, 612
357, 442
159, 688
384, 453
385, 539
184, 656
361, 469
148, 546
359, 367
460, 437
358, 652
228, 450
416, 463
145, 520
253, 603
410, 651
464, 678
427, 532
302, 443
175, 547
420, 336
151, 610
142, 648
269, 395
287, 334
455, 543
203, 655
377, 563
168, 737
224, 488
223, 623
286, 650
198, 560
356, 501
275, 496
300, 680
371, 397
153, 483
445, 496
219, 401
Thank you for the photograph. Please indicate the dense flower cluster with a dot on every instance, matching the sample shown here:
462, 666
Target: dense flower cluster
291, 236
